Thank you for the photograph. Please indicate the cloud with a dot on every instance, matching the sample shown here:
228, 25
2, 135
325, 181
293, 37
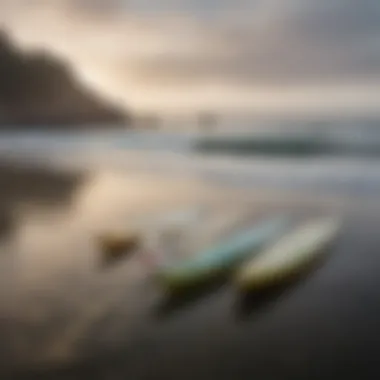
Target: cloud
140, 48
289, 42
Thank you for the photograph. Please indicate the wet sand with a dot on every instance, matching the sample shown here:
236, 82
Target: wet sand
67, 316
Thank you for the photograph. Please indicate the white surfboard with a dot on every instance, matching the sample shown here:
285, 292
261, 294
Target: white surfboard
288, 256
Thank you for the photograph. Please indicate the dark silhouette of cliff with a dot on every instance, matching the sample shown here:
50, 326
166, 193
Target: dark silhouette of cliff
38, 89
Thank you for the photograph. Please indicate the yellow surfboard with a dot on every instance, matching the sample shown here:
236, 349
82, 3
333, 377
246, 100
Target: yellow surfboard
288, 256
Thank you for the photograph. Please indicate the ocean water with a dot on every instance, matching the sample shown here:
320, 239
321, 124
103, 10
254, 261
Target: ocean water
173, 153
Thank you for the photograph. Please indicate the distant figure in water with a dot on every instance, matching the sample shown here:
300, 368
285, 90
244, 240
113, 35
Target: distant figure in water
149, 121
207, 121
153, 122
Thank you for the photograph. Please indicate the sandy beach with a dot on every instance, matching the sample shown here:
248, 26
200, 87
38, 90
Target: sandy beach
67, 316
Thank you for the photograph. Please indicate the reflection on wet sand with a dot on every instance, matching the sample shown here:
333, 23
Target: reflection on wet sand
172, 303
59, 304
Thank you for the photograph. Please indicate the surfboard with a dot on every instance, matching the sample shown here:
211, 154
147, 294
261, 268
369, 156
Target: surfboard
222, 256
288, 256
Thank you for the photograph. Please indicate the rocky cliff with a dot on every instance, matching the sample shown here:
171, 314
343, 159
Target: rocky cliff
37, 89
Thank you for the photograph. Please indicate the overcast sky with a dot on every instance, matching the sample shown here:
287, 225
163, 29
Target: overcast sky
190, 53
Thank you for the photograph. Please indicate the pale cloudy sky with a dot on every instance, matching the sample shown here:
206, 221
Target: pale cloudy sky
165, 54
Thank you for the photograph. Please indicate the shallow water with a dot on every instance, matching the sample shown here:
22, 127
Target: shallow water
171, 154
